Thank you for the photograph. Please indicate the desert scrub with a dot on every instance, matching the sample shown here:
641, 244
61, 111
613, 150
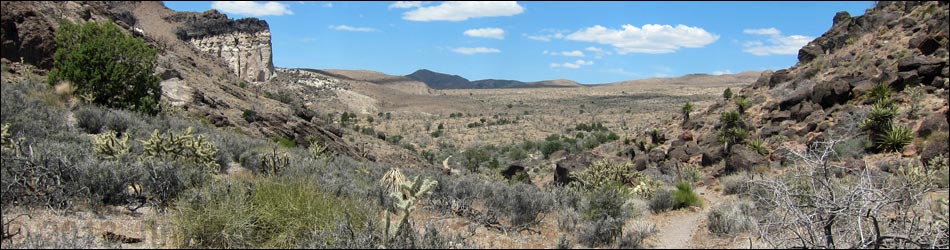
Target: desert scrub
183, 146
736, 183
730, 218
272, 213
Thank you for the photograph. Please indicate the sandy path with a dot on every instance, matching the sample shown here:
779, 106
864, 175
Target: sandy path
675, 229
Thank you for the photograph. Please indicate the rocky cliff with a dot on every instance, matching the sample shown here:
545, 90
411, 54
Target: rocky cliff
243, 44
900, 46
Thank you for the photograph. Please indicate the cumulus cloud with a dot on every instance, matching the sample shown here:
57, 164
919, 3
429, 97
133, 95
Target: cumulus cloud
475, 50
574, 65
350, 28
574, 53
495, 33
405, 4
650, 39
776, 44
252, 8
721, 72
461, 11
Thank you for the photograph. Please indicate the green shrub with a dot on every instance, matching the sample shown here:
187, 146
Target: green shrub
684, 196
250, 115
661, 201
184, 146
895, 139
106, 66
267, 213
727, 94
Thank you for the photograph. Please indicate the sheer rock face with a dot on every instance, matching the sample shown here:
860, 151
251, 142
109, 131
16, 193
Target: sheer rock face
244, 44
248, 55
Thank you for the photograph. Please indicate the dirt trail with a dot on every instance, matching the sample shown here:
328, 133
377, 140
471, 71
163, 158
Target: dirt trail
675, 229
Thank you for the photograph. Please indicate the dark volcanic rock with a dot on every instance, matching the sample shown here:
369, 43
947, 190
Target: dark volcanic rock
572, 164
742, 158
212, 22
830, 93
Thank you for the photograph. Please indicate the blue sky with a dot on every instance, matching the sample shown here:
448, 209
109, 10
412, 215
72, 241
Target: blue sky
589, 42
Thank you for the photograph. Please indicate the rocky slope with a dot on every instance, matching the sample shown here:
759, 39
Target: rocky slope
201, 83
244, 44
896, 44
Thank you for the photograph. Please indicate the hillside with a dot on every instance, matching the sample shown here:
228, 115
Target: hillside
438, 80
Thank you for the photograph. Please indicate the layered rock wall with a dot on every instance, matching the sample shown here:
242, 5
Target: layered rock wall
248, 55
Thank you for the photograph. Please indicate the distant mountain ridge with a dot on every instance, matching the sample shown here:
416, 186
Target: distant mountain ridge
438, 80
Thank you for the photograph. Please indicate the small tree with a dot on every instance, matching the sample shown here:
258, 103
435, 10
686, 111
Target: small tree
687, 108
742, 104
727, 94
107, 66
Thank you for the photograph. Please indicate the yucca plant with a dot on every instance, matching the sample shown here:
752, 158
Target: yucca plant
731, 119
742, 104
758, 145
880, 117
880, 93
687, 108
895, 139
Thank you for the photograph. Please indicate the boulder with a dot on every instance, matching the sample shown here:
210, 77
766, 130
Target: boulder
572, 164
809, 52
515, 169
828, 94
926, 44
641, 163
763, 79
779, 76
679, 154
932, 123
692, 148
742, 158
712, 155
841, 16
657, 154
686, 136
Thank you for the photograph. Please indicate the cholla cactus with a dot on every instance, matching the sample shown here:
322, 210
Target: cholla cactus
604, 173
647, 187
187, 146
272, 163
392, 180
5, 141
405, 194
317, 150
109, 146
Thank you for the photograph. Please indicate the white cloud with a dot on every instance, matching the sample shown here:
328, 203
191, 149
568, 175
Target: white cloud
777, 44
769, 31
252, 8
461, 11
350, 28
650, 39
476, 50
405, 4
328, 5
574, 53
721, 72
551, 34
598, 52
495, 33
574, 65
